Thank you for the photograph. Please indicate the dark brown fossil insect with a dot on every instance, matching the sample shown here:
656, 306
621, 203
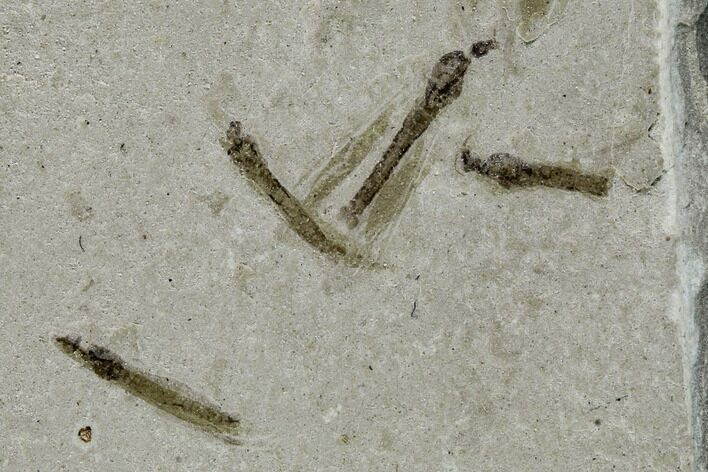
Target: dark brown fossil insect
511, 171
444, 86
162, 393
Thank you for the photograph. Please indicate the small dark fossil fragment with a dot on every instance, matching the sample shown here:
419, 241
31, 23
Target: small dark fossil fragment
481, 48
85, 434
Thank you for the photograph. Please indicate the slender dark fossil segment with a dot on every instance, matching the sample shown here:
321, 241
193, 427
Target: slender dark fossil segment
162, 393
244, 153
444, 86
511, 171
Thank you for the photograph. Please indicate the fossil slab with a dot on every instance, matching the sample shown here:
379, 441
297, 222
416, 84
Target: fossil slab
362, 236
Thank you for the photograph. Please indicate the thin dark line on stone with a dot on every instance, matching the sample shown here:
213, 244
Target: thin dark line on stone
168, 396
